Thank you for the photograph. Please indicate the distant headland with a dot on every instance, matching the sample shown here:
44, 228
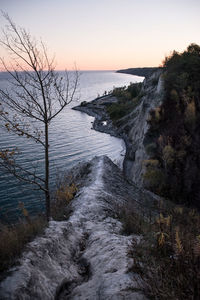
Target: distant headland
145, 72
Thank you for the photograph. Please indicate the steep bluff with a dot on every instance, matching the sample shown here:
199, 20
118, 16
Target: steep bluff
136, 125
133, 127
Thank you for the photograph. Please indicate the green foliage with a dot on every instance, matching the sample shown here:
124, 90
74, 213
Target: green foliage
118, 110
128, 99
128, 93
118, 92
134, 89
175, 128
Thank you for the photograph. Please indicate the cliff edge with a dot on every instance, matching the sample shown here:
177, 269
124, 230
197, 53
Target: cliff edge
85, 257
133, 126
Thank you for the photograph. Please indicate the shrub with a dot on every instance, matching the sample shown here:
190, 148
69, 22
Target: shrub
177, 122
134, 89
174, 95
83, 103
64, 194
168, 155
167, 258
153, 176
151, 149
154, 163
118, 92
128, 99
13, 238
153, 179
132, 222
118, 110
190, 115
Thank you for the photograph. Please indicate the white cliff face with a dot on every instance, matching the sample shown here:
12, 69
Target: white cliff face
137, 122
133, 127
84, 257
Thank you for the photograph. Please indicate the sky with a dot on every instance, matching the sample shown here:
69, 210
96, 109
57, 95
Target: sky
108, 34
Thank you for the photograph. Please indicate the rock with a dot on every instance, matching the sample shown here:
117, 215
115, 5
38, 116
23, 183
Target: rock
134, 126
84, 257
153, 96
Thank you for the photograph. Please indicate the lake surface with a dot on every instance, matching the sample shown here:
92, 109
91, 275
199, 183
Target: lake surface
71, 141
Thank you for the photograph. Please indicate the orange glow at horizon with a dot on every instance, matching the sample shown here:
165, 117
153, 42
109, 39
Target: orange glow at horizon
108, 35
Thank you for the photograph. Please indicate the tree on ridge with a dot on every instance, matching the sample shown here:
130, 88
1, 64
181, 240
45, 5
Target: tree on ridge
37, 96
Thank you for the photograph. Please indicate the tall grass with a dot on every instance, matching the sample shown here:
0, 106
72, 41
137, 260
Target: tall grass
14, 237
65, 193
167, 256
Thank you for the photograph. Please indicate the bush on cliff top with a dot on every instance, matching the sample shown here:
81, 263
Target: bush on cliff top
128, 98
175, 128
167, 257
165, 249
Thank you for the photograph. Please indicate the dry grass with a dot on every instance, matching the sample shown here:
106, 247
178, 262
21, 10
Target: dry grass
167, 258
132, 221
60, 208
13, 239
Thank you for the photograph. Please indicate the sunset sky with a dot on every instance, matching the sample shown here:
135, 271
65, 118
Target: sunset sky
108, 34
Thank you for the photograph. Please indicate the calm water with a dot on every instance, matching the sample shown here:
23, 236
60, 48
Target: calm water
71, 141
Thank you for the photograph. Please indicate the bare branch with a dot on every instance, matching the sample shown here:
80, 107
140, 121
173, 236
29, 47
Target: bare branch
8, 162
37, 93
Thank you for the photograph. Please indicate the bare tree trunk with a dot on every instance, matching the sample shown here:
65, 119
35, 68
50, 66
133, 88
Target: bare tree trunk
41, 94
47, 194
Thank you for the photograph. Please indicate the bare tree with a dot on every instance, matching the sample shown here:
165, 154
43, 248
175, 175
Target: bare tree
37, 96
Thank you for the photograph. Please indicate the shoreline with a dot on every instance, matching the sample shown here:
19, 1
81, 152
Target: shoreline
102, 122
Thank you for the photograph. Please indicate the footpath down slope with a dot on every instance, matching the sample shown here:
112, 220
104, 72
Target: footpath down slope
84, 257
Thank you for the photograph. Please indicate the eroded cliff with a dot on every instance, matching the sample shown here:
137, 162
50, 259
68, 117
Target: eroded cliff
133, 126
84, 257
